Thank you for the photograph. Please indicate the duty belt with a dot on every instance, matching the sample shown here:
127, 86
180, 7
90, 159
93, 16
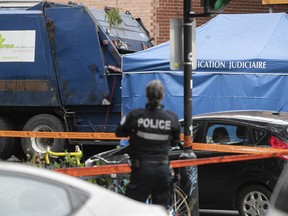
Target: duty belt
138, 162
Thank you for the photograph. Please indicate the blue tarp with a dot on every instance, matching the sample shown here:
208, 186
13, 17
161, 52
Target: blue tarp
242, 63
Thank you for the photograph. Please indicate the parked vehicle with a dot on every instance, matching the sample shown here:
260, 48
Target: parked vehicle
245, 186
60, 71
29, 191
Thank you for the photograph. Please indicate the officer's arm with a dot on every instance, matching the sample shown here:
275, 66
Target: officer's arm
121, 131
123, 128
175, 141
176, 135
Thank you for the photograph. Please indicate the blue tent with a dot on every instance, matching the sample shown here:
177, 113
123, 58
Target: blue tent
242, 63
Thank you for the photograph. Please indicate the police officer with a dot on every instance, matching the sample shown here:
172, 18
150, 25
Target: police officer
151, 132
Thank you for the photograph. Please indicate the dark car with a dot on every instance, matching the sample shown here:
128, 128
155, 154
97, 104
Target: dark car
245, 186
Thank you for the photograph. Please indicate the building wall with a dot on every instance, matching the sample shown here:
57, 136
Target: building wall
138, 8
155, 14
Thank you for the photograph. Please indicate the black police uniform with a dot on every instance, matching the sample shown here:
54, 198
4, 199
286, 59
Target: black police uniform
152, 132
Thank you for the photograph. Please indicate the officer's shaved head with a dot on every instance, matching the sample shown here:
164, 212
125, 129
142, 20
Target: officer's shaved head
155, 92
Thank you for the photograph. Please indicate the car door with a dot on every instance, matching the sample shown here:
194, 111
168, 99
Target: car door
217, 181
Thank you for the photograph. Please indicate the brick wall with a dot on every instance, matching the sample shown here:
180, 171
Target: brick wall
156, 14
174, 8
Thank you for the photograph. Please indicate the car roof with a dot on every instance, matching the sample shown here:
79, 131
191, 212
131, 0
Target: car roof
269, 117
29, 170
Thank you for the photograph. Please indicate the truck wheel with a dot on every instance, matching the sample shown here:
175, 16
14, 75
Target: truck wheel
254, 200
6, 143
43, 123
18, 151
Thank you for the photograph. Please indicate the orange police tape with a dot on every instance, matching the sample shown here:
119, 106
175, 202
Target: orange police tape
60, 135
251, 153
63, 135
124, 168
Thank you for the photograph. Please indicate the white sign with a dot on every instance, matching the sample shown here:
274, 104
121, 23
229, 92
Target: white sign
17, 46
177, 46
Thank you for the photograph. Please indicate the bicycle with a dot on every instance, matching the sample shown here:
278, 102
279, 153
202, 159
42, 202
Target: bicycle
117, 182
178, 203
77, 155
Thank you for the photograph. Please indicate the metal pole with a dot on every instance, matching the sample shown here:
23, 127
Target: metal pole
187, 74
189, 182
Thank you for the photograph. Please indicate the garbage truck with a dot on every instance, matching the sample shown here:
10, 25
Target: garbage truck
60, 70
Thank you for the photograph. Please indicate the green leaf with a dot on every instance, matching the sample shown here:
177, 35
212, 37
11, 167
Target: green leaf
218, 5
113, 16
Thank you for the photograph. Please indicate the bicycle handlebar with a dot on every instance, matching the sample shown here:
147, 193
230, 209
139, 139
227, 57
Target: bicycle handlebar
77, 154
126, 157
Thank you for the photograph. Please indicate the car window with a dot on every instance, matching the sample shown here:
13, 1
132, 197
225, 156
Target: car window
226, 134
23, 196
260, 138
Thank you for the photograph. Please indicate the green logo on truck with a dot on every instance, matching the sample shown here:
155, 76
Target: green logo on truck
2, 40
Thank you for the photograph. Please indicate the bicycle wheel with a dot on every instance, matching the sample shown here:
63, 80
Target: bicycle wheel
117, 184
178, 204
116, 188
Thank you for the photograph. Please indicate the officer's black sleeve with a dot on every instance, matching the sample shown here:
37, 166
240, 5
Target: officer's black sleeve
176, 137
175, 131
124, 128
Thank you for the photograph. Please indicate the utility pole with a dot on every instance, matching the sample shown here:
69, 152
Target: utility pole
192, 171
183, 56
187, 64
